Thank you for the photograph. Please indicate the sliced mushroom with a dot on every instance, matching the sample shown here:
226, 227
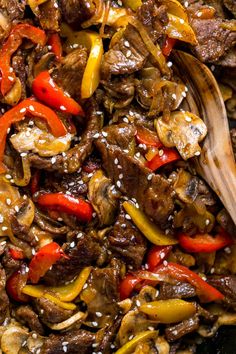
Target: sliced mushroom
216, 164
12, 339
14, 95
184, 130
103, 197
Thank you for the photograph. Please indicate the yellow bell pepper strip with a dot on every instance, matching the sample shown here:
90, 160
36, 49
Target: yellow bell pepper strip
179, 29
93, 42
64, 293
169, 311
20, 31
130, 346
132, 4
175, 8
150, 230
64, 305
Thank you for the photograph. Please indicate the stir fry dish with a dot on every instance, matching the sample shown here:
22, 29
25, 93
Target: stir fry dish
117, 175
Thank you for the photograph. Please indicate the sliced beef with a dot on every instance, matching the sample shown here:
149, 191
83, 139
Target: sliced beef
10, 264
50, 312
126, 242
152, 192
50, 15
14, 8
213, 40
72, 342
77, 11
103, 308
226, 285
72, 160
20, 69
176, 291
4, 301
130, 52
177, 331
69, 74
84, 253
27, 316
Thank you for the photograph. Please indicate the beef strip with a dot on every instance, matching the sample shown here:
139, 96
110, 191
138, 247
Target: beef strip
20, 69
227, 286
4, 301
130, 52
78, 342
126, 242
72, 160
177, 331
14, 8
83, 254
152, 192
69, 74
51, 312
77, 11
213, 40
104, 283
10, 264
176, 291
49, 15
27, 316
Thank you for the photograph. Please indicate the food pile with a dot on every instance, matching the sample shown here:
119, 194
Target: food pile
117, 175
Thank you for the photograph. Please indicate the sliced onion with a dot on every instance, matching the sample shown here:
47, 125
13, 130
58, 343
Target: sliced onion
79, 316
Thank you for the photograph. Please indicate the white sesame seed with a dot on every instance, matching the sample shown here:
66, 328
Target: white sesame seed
34, 335
62, 108
126, 43
10, 78
127, 216
138, 303
4, 228
112, 346
186, 4
65, 343
98, 314
174, 96
94, 323
161, 152
104, 134
199, 14
1, 219
165, 263
149, 177
169, 64
118, 183
212, 270
23, 154
150, 328
56, 5
184, 94
27, 133
53, 160
175, 332
8, 176
207, 222
125, 119
162, 255
79, 235
96, 136
31, 108
72, 244
75, 45
8, 201
121, 176
131, 337
188, 119
116, 161
128, 54
197, 153
227, 250
22, 110
64, 348
126, 151
213, 67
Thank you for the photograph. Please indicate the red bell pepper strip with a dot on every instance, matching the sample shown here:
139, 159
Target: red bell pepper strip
18, 113
205, 292
156, 255
34, 183
168, 46
168, 155
147, 137
55, 42
127, 285
20, 31
43, 260
15, 283
47, 91
16, 254
205, 242
67, 204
